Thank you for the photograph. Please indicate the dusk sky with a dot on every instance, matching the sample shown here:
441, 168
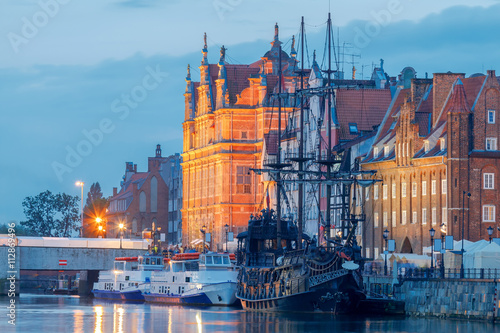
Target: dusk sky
67, 67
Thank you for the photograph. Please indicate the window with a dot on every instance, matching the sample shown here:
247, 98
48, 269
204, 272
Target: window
375, 192
375, 220
488, 213
385, 220
442, 142
394, 191
426, 145
386, 150
376, 252
443, 186
375, 152
414, 218
414, 190
367, 252
393, 221
403, 217
491, 116
403, 190
424, 187
424, 215
384, 192
491, 143
434, 216
433, 187
243, 180
353, 128
444, 215
367, 193
488, 181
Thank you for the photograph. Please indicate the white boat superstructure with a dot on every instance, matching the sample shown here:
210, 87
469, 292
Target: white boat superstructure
207, 279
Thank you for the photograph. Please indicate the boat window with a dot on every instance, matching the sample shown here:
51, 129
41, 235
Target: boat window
147, 261
158, 261
226, 260
208, 260
217, 260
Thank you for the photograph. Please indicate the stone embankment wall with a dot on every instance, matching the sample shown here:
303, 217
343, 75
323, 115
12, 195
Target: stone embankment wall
457, 298
474, 299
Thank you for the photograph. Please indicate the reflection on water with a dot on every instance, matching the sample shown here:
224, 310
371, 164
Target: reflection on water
49, 313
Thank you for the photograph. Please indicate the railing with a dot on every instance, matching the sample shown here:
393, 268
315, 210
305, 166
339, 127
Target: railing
449, 273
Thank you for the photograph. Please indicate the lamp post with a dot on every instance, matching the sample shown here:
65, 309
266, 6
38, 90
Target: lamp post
80, 183
386, 236
490, 232
204, 231
121, 226
226, 227
432, 232
443, 232
100, 230
98, 220
463, 227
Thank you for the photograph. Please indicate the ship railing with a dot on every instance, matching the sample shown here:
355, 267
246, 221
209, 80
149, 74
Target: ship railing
261, 259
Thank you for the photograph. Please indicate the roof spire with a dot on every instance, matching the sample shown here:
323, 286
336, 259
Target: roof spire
458, 102
188, 77
205, 51
314, 56
276, 32
222, 54
293, 53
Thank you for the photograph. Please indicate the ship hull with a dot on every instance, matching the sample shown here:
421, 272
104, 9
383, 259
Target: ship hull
214, 294
134, 295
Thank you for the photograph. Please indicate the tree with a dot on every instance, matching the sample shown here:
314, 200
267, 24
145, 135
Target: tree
67, 206
20, 230
40, 211
95, 207
52, 215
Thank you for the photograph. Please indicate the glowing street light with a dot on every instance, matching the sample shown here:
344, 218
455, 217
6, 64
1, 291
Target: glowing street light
121, 226
80, 183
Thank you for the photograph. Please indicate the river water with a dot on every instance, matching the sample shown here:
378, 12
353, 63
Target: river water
50, 313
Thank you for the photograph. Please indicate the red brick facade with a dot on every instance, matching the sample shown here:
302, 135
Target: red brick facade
437, 143
142, 200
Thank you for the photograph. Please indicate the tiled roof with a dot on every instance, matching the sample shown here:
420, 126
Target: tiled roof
424, 120
237, 79
364, 107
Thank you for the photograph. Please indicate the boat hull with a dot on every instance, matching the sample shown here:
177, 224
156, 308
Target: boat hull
319, 300
134, 295
213, 294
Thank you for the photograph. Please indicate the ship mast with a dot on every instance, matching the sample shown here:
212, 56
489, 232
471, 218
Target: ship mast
329, 131
301, 141
278, 162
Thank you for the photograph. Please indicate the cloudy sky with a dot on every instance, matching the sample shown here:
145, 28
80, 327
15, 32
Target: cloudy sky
68, 69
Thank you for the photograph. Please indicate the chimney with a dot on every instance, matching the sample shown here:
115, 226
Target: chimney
418, 89
491, 73
135, 168
115, 191
441, 86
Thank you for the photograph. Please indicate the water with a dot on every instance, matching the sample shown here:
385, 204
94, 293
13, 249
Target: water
48, 313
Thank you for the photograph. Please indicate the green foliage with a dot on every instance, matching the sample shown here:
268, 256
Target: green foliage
20, 230
52, 215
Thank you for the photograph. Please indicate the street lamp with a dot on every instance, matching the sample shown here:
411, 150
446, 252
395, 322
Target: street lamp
443, 232
100, 230
490, 232
80, 183
463, 226
386, 236
432, 232
121, 226
204, 231
226, 227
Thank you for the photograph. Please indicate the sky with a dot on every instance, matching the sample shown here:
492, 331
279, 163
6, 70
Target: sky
86, 86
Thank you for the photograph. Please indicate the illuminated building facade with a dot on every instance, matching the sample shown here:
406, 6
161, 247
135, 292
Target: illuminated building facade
229, 115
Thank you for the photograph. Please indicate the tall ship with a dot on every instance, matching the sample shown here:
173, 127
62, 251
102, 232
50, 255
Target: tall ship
281, 267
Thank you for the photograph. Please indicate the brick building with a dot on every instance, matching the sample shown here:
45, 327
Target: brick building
227, 116
141, 201
171, 173
437, 143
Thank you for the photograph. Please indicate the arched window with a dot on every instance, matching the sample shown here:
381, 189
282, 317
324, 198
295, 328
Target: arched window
142, 202
154, 194
134, 225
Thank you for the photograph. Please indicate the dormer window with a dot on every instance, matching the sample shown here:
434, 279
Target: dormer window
375, 152
426, 146
386, 150
442, 142
353, 128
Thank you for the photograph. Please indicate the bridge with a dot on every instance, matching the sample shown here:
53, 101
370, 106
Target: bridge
87, 255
